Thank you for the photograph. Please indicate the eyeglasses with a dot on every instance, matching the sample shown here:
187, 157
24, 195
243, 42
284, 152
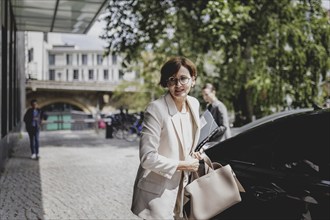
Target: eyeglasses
173, 80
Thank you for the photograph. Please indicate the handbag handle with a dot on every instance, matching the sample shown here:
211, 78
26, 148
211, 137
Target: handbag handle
211, 166
205, 167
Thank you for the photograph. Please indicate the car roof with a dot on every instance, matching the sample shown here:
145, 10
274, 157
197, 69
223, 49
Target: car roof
270, 118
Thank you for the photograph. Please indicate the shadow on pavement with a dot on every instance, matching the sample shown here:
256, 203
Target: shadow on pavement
88, 138
20, 185
80, 175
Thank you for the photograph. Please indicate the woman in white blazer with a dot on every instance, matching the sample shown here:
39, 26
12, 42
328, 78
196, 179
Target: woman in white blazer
169, 135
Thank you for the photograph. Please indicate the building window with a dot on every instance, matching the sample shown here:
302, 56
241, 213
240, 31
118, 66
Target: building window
106, 74
69, 59
51, 74
77, 59
75, 75
84, 59
59, 76
30, 55
99, 59
121, 74
45, 37
90, 74
114, 59
51, 59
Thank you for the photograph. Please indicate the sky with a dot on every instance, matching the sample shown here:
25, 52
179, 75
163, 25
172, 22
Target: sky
89, 41
326, 4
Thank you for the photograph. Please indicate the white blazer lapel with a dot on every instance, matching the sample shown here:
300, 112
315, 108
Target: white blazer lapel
177, 125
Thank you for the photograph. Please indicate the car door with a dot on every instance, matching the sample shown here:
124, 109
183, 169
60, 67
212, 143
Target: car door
302, 156
250, 155
276, 164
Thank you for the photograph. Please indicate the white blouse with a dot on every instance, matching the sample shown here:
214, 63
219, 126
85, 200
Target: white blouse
186, 128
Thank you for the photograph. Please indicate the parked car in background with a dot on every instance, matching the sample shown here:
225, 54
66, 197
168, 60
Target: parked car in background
283, 162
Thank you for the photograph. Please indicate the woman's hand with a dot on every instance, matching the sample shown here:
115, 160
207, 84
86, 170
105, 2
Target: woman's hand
197, 155
189, 165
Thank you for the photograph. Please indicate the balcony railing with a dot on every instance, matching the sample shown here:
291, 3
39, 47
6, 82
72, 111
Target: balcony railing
34, 85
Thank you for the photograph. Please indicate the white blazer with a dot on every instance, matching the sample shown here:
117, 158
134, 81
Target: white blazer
161, 148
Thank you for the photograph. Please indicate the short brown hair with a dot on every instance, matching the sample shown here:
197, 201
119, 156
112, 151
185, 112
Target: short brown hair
172, 66
209, 86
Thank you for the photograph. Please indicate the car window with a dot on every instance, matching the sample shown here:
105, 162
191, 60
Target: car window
269, 118
253, 147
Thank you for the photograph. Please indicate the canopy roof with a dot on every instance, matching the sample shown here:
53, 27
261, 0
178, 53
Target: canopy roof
62, 16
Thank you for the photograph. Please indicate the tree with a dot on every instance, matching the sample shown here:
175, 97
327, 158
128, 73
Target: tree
260, 51
271, 49
153, 29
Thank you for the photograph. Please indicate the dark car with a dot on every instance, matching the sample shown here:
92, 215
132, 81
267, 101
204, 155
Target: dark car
283, 162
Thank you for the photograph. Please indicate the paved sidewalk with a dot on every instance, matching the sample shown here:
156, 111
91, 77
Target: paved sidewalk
80, 175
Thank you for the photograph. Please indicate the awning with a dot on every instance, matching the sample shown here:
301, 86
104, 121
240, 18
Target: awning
62, 16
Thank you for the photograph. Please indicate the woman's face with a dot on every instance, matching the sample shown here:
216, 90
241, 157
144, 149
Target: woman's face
180, 84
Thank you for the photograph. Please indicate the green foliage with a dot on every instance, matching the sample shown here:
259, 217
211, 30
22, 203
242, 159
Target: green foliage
270, 49
256, 52
137, 94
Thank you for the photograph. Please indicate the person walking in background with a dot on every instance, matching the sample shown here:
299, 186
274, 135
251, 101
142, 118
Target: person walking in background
217, 109
33, 118
169, 136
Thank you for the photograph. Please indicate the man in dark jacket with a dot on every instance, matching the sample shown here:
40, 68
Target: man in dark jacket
217, 109
33, 118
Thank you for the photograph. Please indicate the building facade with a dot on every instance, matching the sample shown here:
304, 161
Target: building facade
55, 60
17, 17
59, 66
12, 79
66, 63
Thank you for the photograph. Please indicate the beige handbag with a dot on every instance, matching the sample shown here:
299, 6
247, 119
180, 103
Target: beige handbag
213, 192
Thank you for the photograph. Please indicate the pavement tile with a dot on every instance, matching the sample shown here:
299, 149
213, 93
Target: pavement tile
80, 175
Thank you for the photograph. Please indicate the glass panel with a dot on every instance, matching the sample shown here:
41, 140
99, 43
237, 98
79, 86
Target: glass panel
30, 55
34, 12
22, 27
84, 59
72, 16
51, 59
75, 75
106, 74
34, 22
69, 24
51, 74
99, 59
90, 74
69, 59
67, 30
41, 4
114, 59
84, 1
83, 6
